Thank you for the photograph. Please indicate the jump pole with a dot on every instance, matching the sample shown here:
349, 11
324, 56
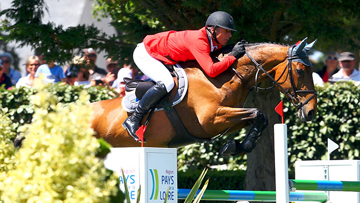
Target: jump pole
326, 185
262, 196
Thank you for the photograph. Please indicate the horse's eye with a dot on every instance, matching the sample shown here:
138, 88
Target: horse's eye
300, 72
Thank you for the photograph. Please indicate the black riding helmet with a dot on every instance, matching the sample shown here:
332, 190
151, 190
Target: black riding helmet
220, 19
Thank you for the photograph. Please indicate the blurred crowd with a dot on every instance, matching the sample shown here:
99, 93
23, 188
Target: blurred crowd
81, 71
338, 67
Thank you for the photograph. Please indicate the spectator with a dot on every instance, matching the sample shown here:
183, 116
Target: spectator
347, 71
113, 68
4, 79
32, 64
136, 75
8, 60
106, 81
317, 80
330, 68
119, 84
76, 73
83, 74
52, 73
96, 73
77, 76
126, 72
40, 56
83, 78
71, 74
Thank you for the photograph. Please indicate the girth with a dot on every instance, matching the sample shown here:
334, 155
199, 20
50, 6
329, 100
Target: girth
182, 136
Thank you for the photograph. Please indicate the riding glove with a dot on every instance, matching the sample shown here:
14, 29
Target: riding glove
239, 50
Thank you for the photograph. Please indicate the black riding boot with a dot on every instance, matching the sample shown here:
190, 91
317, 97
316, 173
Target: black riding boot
148, 101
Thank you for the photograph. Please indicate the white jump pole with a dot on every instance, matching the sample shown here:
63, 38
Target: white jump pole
281, 163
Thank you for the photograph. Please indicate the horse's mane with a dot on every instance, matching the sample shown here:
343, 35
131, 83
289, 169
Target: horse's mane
249, 46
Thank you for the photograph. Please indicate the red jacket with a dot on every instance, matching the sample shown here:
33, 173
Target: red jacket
171, 47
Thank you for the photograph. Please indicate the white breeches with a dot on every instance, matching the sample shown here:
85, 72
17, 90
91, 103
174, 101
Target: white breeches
151, 67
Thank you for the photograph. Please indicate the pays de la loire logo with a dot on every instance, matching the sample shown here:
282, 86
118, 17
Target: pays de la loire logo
159, 189
155, 185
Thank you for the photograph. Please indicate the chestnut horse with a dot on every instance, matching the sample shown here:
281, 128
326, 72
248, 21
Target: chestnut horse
214, 106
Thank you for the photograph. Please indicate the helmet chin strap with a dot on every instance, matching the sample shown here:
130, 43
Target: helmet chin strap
213, 34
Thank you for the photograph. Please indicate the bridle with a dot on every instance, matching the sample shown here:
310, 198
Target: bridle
295, 99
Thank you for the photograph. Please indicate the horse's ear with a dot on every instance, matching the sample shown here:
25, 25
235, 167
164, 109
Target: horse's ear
300, 46
309, 46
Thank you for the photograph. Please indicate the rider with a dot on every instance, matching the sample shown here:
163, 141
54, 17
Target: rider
171, 47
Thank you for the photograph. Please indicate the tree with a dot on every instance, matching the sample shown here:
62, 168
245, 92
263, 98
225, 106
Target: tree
334, 23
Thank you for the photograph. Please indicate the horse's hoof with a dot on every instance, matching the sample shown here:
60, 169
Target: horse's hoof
248, 146
231, 148
249, 142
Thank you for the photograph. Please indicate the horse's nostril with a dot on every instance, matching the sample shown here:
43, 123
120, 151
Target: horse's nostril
310, 115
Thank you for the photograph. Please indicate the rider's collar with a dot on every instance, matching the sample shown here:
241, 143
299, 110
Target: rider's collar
212, 47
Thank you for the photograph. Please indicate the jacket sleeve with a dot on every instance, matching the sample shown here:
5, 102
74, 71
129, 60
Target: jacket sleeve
201, 52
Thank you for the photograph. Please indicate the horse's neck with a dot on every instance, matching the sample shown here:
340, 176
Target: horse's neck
269, 58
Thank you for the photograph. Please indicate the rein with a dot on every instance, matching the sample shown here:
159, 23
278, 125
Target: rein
294, 96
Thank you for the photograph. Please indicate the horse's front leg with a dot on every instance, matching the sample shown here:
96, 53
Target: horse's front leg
259, 122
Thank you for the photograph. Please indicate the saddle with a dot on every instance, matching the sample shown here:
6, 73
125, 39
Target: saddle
135, 89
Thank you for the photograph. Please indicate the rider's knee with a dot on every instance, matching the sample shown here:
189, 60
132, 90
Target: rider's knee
169, 84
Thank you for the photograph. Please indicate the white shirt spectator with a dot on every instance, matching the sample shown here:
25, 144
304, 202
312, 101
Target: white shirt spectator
124, 73
24, 81
317, 80
339, 76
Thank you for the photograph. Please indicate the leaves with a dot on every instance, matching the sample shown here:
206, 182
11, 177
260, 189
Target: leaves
196, 186
7, 149
337, 119
20, 110
335, 24
57, 160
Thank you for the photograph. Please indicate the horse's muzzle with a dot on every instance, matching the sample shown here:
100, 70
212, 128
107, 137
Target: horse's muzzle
306, 115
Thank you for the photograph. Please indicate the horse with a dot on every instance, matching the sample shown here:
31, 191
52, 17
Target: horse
214, 106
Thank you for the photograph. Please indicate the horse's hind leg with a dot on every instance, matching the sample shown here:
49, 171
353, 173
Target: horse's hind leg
234, 147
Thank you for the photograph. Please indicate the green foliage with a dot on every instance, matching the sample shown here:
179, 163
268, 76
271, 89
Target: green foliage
198, 156
57, 160
334, 23
337, 118
7, 149
196, 187
20, 110
219, 180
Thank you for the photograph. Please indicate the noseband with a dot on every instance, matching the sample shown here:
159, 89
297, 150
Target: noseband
295, 99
